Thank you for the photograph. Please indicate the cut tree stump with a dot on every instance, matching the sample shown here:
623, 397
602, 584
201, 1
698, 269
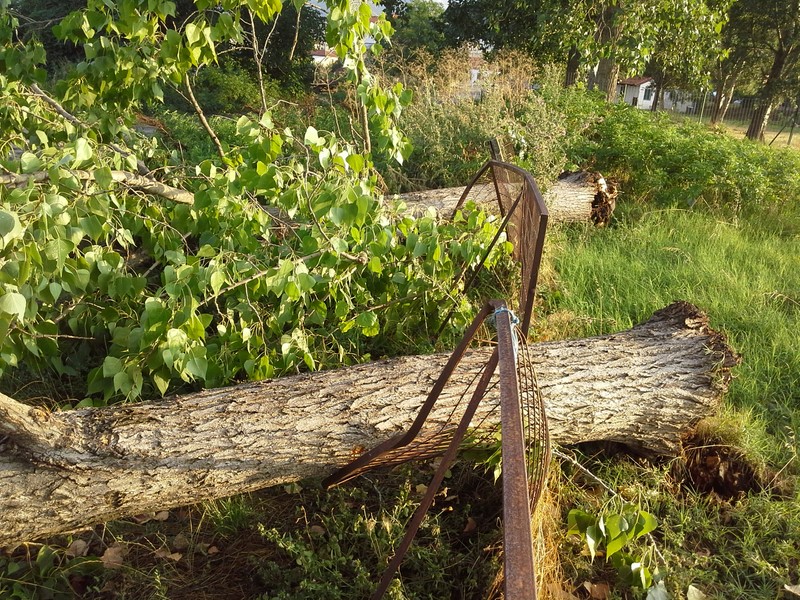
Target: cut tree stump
582, 197
65, 471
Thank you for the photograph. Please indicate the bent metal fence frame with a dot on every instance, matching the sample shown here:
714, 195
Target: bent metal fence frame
525, 442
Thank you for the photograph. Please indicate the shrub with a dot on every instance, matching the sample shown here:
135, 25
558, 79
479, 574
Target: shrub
450, 120
226, 88
684, 164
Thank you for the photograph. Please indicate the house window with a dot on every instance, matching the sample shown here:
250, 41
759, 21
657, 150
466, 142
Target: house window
648, 93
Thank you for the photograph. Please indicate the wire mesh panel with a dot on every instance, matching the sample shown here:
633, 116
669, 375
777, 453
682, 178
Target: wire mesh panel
524, 222
522, 421
525, 445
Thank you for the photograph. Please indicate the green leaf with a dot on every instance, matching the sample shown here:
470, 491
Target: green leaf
197, 367
578, 521
83, 152
123, 383
29, 163
218, 279
356, 162
616, 544
104, 178
593, 539
306, 282
312, 137
111, 366
58, 251
55, 290
374, 265
92, 226
616, 524
193, 34
368, 321
162, 383
13, 303
644, 524
10, 227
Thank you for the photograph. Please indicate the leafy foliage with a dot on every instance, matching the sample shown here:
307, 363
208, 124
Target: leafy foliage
51, 574
610, 534
417, 26
451, 119
685, 164
684, 34
285, 258
341, 552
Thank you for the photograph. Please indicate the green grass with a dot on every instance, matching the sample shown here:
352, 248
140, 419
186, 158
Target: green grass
745, 278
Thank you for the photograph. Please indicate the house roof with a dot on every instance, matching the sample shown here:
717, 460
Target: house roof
635, 80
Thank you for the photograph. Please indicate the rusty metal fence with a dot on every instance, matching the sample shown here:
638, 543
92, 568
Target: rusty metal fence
524, 222
525, 445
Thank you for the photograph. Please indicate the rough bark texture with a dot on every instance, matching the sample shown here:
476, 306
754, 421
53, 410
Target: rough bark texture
59, 472
576, 197
722, 97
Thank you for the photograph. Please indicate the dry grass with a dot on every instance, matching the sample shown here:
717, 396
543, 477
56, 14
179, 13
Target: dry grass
773, 136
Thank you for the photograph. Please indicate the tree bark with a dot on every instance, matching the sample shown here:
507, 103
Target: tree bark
722, 99
575, 198
607, 34
60, 472
607, 77
132, 180
759, 120
758, 123
573, 63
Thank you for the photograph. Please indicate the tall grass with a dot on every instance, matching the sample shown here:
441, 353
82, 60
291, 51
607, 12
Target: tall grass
657, 161
747, 280
451, 119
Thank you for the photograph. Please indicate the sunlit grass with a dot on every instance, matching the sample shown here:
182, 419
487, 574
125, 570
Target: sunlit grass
747, 279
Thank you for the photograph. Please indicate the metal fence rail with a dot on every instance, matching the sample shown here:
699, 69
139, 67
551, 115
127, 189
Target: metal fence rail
525, 442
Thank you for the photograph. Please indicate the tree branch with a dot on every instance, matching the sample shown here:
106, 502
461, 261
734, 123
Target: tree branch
201, 115
54, 104
132, 180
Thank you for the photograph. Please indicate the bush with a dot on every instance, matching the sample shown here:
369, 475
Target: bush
450, 121
226, 88
655, 159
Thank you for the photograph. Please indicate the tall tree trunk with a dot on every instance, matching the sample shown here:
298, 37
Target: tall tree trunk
659, 85
607, 77
573, 62
656, 98
758, 123
722, 99
608, 33
646, 387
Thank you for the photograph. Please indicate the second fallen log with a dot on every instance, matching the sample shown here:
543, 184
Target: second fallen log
582, 197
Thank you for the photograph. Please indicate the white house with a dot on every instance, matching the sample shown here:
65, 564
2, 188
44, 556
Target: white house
637, 91
678, 101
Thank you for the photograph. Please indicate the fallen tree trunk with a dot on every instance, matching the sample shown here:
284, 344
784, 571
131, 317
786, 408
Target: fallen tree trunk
581, 197
60, 472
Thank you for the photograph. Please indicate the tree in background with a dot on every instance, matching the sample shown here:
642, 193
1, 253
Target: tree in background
608, 38
687, 44
417, 25
289, 43
37, 19
772, 42
737, 65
